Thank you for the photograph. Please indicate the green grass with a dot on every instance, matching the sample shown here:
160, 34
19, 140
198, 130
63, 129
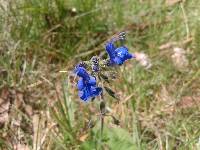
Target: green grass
39, 38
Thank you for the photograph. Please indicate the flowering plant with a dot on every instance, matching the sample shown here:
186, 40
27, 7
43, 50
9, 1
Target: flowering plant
87, 83
91, 73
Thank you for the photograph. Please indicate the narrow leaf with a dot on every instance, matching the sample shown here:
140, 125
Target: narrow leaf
111, 92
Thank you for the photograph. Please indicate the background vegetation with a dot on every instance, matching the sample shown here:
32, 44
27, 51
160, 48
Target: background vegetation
158, 107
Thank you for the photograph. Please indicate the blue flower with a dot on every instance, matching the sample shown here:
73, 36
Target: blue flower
117, 55
86, 84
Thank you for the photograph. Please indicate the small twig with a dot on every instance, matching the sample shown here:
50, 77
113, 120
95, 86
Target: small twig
45, 79
34, 84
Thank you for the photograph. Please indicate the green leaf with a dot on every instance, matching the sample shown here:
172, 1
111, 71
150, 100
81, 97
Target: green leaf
104, 77
111, 92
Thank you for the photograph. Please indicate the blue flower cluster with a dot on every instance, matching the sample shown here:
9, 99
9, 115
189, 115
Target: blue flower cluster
117, 55
87, 84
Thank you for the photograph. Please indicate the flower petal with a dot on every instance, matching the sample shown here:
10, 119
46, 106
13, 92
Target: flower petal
95, 91
85, 94
98, 91
129, 56
92, 81
110, 48
123, 53
118, 60
80, 84
81, 72
81, 94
